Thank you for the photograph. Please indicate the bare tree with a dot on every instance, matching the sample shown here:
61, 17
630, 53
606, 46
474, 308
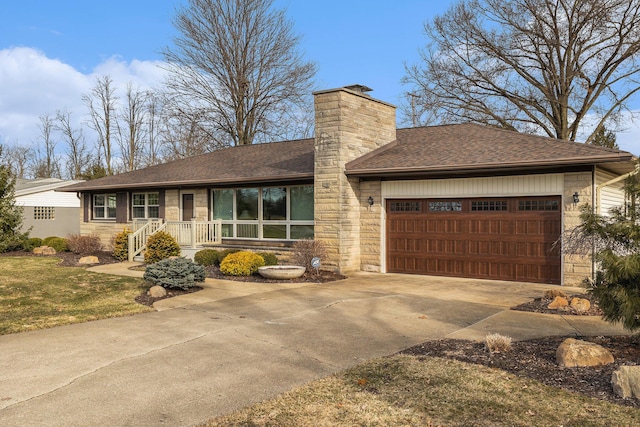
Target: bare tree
235, 68
17, 159
46, 162
132, 129
154, 130
101, 102
77, 152
550, 66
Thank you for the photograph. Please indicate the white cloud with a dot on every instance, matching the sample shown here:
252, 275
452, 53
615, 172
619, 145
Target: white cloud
33, 85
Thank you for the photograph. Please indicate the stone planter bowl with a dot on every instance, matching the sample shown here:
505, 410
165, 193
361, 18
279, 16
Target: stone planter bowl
281, 271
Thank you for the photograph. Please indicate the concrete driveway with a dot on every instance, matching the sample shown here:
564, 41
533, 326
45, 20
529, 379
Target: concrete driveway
234, 344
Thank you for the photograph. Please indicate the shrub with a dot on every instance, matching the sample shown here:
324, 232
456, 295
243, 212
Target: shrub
32, 243
57, 243
84, 245
305, 250
269, 258
206, 257
177, 273
121, 245
497, 343
160, 246
224, 253
241, 264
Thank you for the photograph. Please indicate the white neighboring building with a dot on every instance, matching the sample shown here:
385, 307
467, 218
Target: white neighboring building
48, 212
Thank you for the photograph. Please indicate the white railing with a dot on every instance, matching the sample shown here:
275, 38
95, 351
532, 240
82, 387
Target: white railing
187, 233
195, 233
138, 239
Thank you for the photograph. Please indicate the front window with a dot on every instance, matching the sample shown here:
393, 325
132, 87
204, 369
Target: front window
145, 205
279, 213
104, 206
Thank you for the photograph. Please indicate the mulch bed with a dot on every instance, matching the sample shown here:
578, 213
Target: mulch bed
531, 358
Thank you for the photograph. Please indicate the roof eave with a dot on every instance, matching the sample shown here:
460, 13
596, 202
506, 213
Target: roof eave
488, 167
191, 184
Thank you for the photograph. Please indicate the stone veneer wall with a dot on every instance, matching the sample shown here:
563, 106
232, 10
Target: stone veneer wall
576, 267
371, 223
349, 124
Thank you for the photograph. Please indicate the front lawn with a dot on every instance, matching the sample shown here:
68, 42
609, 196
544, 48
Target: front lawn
36, 293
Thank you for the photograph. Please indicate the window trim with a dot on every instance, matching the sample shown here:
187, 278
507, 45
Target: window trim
238, 224
146, 205
104, 206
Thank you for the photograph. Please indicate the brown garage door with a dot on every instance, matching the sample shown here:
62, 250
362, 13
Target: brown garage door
497, 238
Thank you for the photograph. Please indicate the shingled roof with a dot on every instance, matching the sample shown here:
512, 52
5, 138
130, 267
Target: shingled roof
465, 148
424, 151
275, 162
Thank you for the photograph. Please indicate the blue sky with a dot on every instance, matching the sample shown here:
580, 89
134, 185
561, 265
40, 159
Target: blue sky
51, 51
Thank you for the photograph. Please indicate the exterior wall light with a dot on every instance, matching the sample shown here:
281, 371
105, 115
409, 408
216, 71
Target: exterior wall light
370, 201
576, 198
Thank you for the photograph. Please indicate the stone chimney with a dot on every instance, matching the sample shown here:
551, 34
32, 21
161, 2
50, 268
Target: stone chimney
349, 124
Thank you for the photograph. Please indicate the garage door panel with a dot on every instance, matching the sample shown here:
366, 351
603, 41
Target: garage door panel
507, 244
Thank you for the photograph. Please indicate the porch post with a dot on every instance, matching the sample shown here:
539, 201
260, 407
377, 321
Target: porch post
194, 233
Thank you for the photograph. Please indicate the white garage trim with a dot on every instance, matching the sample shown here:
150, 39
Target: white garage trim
500, 186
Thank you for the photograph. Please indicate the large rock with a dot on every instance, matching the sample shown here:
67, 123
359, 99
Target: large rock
558, 302
91, 259
157, 292
574, 352
626, 381
580, 305
44, 250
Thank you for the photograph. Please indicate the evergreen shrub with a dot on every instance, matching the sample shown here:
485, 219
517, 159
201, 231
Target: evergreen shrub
224, 253
32, 243
206, 257
160, 245
175, 273
121, 245
269, 258
57, 243
241, 264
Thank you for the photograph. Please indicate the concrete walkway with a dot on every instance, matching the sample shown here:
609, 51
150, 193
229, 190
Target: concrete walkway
235, 343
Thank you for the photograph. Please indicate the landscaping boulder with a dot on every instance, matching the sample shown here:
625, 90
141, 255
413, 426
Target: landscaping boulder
574, 352
91, 259
157, 292
626, 381
580, 305
558, 302
44, 250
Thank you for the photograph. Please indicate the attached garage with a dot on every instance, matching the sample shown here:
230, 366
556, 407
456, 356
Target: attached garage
485, 238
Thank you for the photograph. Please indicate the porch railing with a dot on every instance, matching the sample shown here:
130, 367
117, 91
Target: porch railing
187, 233
195, 233
138, 239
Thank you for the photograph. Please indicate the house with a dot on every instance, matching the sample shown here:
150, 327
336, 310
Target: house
459, 200
46, 211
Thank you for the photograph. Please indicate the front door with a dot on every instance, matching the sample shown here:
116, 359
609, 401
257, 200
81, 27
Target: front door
188, 210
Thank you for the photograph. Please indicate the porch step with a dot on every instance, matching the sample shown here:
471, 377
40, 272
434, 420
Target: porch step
138, 258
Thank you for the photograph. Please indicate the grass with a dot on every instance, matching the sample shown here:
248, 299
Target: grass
418, 391
35, 293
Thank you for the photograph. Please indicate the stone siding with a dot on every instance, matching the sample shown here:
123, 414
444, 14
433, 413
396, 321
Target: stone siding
577, 268
371, 226
348, 125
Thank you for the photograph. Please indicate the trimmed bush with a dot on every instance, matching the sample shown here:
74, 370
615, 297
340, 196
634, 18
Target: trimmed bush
57, 243
305, 250
32, 243
206, 257
176, 273
160, 246
241, 264
224, 253
84, 245
269, 258
121, 245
